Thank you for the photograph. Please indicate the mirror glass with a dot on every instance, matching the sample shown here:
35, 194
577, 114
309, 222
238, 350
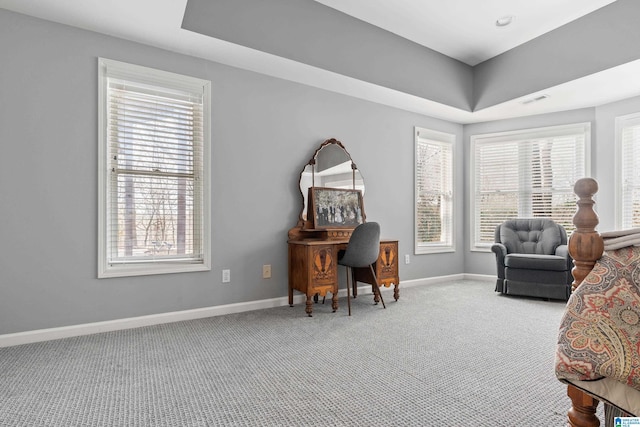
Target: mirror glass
332, 167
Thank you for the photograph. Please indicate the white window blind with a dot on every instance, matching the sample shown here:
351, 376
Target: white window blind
434, 191
628, 141
526, 174
154, 142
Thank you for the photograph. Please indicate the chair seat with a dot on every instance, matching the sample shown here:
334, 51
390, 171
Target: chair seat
536, 262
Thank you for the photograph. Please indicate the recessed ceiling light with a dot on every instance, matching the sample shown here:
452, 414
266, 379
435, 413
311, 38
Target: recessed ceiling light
504, 21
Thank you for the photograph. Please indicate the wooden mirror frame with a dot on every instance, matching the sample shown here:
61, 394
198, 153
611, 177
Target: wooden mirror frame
357, 181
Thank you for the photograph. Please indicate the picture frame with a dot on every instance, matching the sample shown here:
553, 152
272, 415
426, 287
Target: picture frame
336, 207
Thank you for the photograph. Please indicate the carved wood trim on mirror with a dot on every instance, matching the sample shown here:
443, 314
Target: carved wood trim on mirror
331, 166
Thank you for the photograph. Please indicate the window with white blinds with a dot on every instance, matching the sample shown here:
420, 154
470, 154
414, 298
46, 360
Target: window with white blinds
526, 174
154, 180
434, 191
628, 172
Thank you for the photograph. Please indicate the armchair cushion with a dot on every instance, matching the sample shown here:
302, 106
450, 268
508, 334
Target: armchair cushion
536, 262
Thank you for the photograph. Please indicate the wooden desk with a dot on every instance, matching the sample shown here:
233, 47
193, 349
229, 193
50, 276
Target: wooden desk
313, 269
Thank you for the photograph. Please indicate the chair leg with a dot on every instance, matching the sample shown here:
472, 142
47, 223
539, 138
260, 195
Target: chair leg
354, 283
377, 287
348, 290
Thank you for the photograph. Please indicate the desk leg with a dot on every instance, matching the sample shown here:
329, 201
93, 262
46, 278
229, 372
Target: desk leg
309, 305
290, 295
396, 291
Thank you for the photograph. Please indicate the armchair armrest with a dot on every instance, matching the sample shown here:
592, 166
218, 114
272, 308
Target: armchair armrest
563, 251
501, 251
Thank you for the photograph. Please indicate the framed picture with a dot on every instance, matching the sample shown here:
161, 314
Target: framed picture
336, 207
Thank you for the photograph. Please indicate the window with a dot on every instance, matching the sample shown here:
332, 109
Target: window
434, 191
154, 137
526, 174
628, 173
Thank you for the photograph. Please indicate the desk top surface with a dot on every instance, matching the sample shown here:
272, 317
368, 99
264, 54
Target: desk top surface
312, 242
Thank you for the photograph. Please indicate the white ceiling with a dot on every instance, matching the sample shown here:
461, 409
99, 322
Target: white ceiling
462, 29
465, 29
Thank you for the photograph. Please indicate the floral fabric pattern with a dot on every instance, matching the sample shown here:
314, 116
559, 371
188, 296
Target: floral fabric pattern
600, 331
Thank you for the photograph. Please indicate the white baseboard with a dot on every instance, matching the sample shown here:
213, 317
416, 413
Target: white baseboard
449, 278
8, 340
481, 277
38, 335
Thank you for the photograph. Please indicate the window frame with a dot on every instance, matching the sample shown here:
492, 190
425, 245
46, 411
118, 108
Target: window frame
621, 123
445, 140
475, 245
107, 69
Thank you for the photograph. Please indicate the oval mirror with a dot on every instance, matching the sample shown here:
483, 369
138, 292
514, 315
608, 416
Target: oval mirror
331, 166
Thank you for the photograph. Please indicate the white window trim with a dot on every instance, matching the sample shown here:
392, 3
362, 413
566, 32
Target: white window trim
444, 139
621, 123
167, 80
549, 131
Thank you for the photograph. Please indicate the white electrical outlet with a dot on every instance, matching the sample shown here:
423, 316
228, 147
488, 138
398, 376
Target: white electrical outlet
226, 276
407, 259
266, 271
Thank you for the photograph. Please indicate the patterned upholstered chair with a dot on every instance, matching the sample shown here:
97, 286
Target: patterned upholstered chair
532, 258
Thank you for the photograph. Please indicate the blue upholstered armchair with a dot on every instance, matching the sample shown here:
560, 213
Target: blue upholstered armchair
533, 259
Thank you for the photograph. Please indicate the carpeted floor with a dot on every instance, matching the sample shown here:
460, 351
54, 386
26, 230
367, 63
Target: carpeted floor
451, 354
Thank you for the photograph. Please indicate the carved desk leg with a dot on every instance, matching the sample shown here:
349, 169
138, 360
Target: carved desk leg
334, 301
290, 259
309, 305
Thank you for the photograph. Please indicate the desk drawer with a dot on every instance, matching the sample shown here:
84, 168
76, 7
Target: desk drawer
387, 265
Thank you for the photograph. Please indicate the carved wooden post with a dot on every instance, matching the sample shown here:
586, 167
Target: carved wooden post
585, 247
583, 409
585, 244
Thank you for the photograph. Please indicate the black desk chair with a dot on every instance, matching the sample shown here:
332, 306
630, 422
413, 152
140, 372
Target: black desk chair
362, 251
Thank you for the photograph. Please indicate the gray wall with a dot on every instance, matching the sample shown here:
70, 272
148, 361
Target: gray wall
312, 33
48, 178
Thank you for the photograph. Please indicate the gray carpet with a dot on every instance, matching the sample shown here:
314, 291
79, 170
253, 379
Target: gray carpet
451, 354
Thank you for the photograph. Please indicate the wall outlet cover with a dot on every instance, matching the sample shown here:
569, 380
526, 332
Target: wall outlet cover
266, 271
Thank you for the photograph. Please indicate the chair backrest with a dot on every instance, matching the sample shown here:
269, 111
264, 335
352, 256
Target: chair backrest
531, 235
364, 246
